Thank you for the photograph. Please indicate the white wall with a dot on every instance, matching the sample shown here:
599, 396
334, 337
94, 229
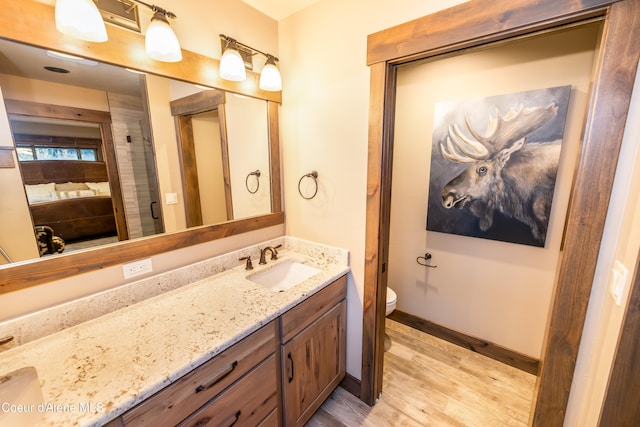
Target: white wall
488, 289
324, 122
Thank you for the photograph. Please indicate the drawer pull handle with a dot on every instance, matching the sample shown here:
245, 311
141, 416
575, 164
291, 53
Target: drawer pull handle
236, 417
202, 422
217, 380
290, 369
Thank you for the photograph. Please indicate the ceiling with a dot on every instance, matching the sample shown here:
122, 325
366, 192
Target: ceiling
29, 62
279, 9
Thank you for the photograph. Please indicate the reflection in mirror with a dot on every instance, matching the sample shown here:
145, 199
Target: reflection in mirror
117, 186
229, 132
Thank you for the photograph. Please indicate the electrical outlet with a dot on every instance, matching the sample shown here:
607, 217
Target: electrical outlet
137, 268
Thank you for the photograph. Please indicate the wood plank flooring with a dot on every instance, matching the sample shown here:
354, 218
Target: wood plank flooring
430, 382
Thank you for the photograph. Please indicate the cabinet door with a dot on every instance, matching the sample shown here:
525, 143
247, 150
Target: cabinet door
313, 365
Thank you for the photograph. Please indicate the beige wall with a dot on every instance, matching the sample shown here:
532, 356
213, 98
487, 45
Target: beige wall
324, 127
206, 135
16, 229
247, 136
492, 290
324, 118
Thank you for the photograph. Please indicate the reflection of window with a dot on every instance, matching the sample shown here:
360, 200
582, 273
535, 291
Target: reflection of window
26, 153
38, 147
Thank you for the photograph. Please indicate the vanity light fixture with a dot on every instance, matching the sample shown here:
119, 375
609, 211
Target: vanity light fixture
161, 42
80, 19
232, 65
270, 78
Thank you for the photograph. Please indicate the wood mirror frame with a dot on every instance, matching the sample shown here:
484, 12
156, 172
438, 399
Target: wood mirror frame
476, 23
17, 22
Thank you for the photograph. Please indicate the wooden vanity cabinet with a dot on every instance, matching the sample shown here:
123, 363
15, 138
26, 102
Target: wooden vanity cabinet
278, 375
313, 351
239, 386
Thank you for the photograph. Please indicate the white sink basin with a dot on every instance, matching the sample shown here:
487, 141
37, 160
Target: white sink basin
284, 275
20, 395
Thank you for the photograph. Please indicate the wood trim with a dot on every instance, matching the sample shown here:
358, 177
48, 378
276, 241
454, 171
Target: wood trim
124, 48
35, 272
199, 102
26, 108
274, 155
472, 24
477, 345
373, 301
226, 166
17, 108
619, 55
111, 160
351, 384
621, 400
184, 109
189, 170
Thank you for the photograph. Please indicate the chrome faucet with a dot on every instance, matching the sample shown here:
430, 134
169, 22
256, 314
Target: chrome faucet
263, 253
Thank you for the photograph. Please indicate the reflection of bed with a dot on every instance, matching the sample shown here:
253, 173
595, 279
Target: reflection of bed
70, 196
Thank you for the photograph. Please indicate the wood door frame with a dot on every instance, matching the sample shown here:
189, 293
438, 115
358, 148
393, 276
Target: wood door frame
476, 23
183, 110
16, 108
620, 406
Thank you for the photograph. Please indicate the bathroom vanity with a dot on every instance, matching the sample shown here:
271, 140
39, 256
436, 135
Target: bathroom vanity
223, 350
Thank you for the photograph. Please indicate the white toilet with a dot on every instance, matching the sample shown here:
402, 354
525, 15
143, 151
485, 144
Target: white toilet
392, 298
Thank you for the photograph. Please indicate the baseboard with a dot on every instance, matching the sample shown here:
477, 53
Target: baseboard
351, 384
486, 348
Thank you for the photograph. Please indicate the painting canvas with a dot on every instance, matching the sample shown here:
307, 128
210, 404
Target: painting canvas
494, 163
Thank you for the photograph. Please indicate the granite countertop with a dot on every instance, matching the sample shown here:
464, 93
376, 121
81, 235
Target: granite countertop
92, 372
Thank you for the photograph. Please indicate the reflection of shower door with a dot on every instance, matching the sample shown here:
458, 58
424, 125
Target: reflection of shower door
136, 166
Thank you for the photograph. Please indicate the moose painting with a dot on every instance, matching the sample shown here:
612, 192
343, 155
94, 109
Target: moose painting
494, 164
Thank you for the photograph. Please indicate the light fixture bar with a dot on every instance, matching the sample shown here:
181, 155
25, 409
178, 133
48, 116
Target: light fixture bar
232, 40
155, 8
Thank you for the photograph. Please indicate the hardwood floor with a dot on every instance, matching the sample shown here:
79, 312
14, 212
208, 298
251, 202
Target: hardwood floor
430, 382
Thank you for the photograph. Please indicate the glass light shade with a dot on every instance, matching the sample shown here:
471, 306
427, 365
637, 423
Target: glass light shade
270, 79
161, 42
232, 66
80, 19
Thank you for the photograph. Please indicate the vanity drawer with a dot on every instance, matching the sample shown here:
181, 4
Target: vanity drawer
180, 399
305, 313
246, 403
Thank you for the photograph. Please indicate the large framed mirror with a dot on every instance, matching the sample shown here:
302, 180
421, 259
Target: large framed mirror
109, 131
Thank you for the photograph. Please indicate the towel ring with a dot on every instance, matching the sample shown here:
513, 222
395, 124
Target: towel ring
255, 173
425, 261
314, 176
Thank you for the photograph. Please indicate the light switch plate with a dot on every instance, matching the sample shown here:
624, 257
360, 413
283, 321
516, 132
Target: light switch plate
172, 198
618, 281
